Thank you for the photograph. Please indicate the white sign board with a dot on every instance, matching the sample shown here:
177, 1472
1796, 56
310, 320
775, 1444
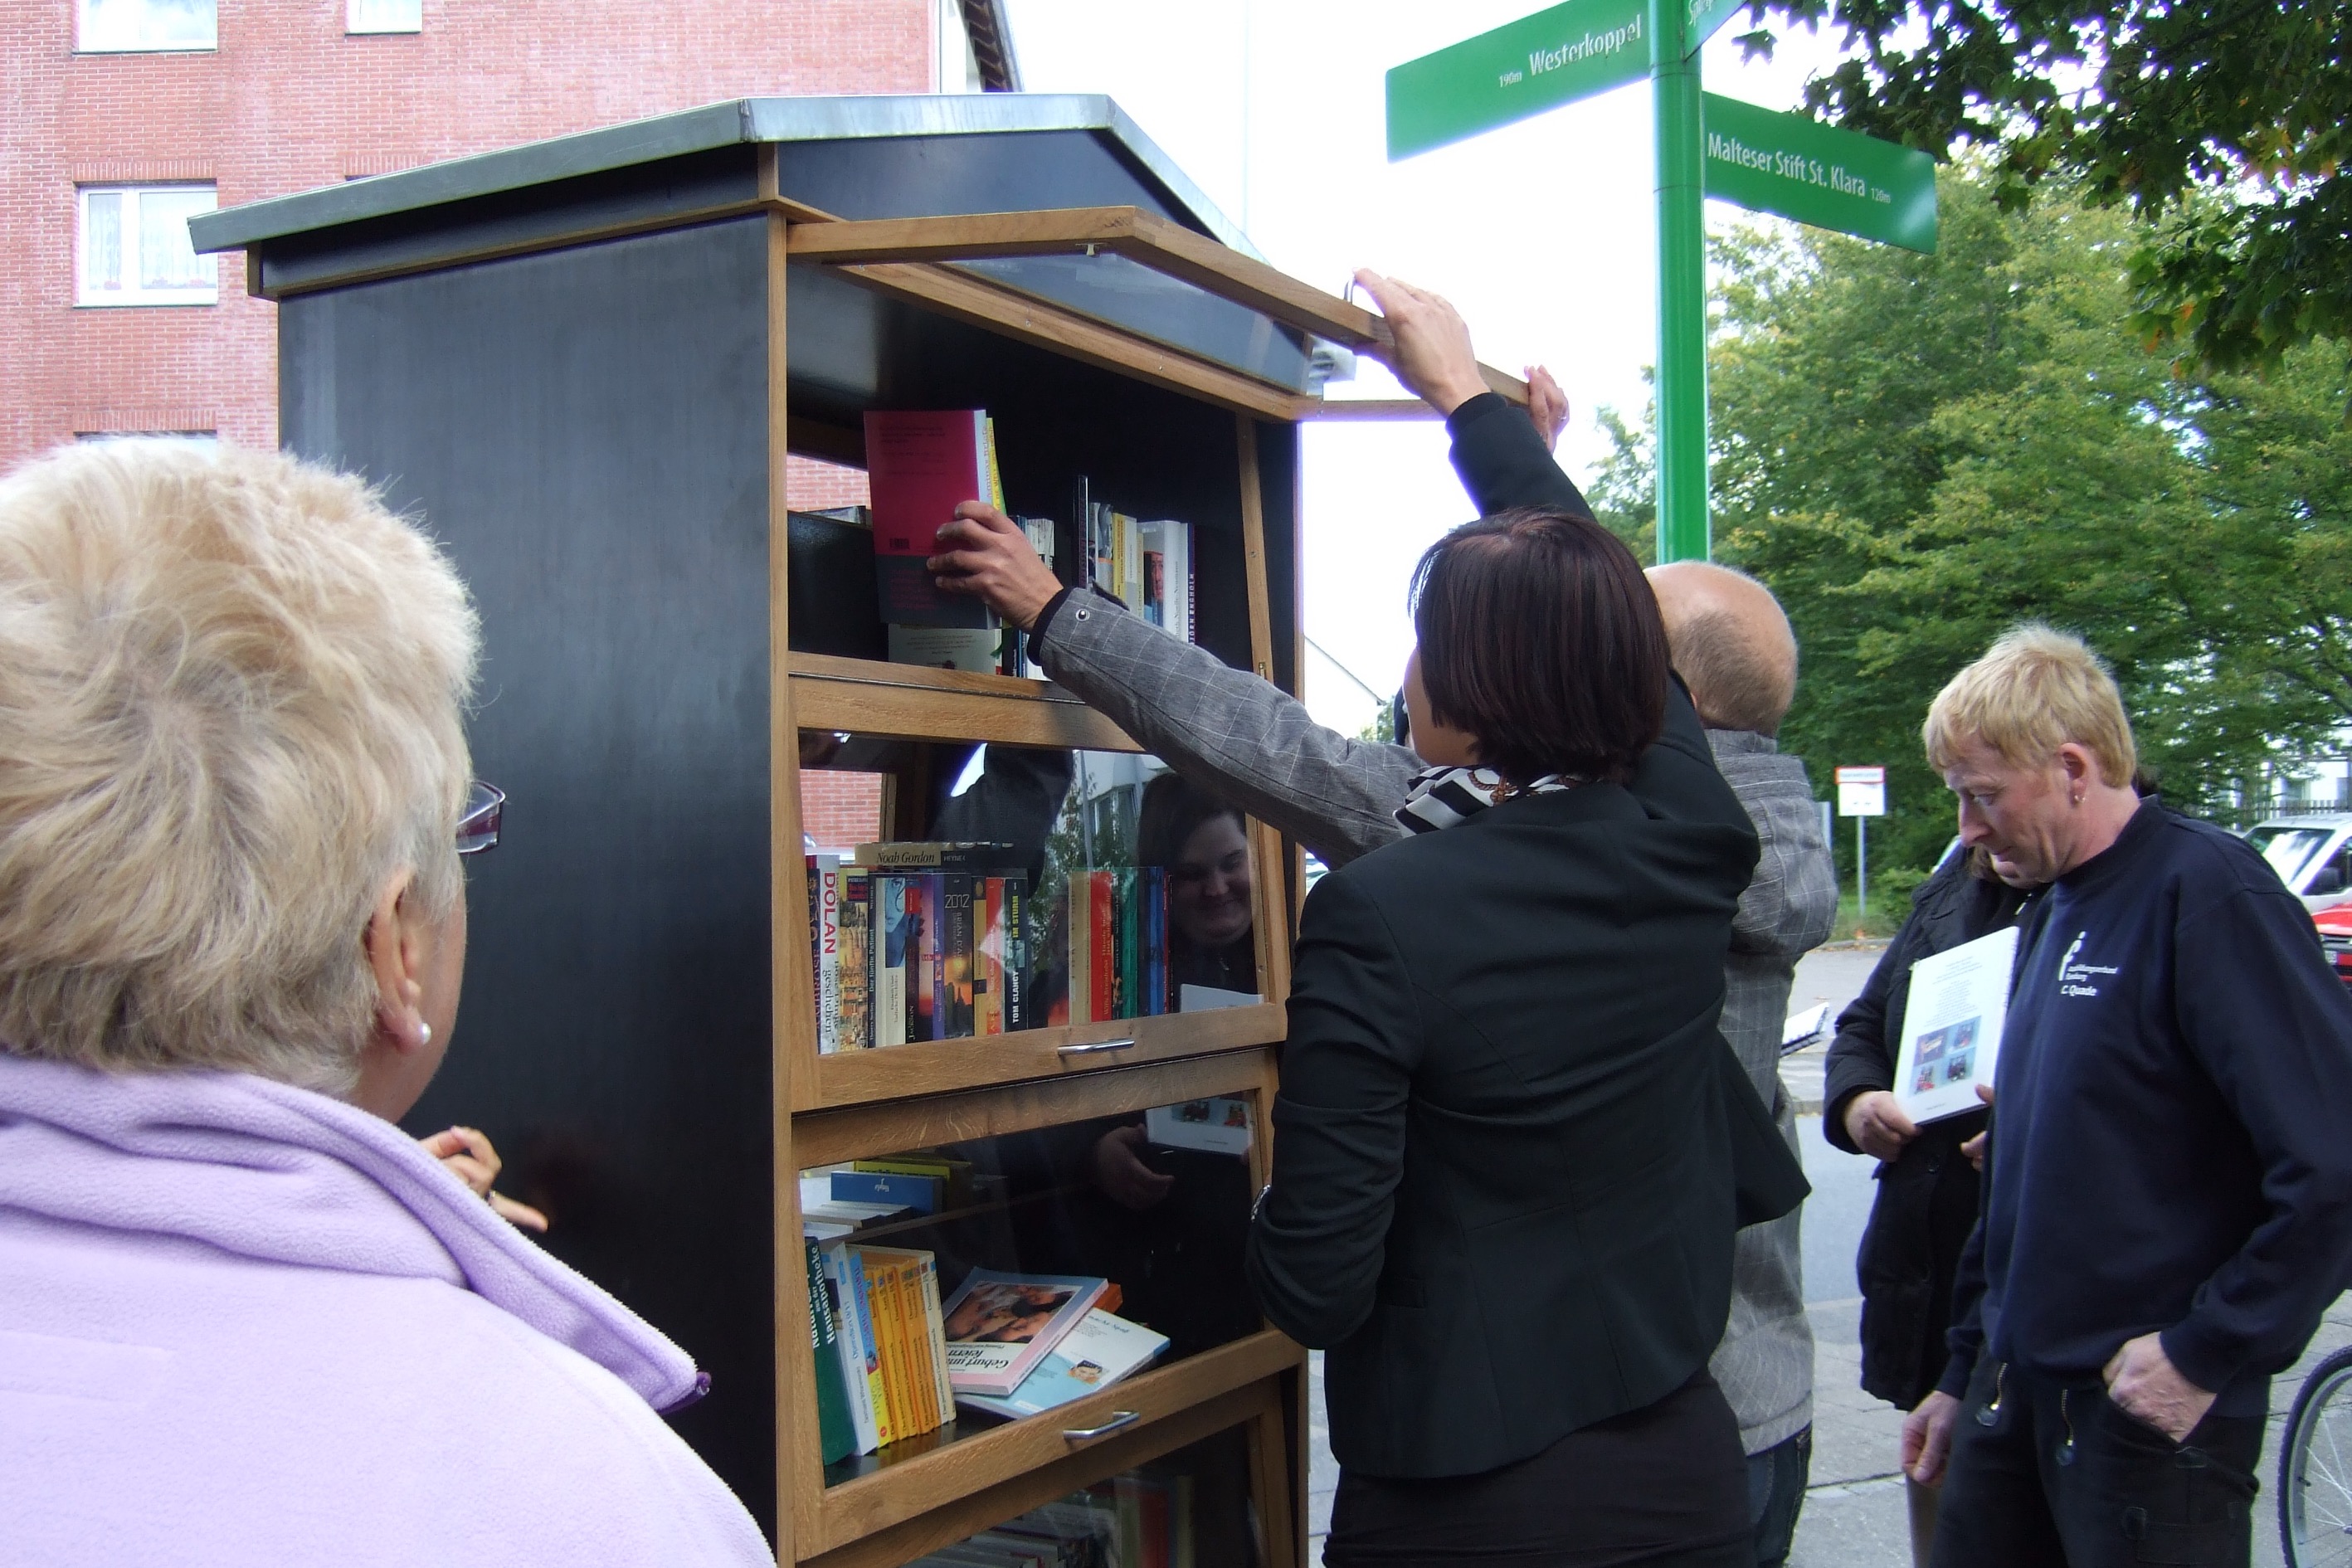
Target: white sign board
1862, 791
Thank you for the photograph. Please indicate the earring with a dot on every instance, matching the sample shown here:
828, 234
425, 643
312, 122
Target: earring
423, 1034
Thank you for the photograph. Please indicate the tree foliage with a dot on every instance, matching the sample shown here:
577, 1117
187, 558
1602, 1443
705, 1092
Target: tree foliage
1918, 452
2221, 126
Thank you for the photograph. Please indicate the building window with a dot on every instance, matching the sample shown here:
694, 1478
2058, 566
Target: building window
383, 15
131, 27
135, 248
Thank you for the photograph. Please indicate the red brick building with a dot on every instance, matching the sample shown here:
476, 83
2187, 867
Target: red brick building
119, 117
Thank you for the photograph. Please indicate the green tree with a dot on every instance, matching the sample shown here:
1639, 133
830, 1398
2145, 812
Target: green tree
2221, 126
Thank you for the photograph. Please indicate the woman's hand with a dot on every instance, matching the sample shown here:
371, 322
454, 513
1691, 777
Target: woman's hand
1431, 351
467, 1155
1875, 1122
983, 552
1121, 1174
1546, 405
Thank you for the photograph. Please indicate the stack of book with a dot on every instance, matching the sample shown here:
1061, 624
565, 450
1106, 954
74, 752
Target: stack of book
1116, 922
918, 942
1149, 565
875, 1330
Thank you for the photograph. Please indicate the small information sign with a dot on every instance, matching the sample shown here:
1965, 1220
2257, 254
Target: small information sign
1862, 791
1816, 173
1519, 69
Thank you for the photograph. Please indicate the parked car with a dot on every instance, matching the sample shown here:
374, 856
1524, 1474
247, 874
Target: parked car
2336, 936
2312, 855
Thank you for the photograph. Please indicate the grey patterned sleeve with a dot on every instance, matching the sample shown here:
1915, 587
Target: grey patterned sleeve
1228, 730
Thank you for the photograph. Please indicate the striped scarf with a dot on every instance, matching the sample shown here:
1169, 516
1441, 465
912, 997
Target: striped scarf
1444, 797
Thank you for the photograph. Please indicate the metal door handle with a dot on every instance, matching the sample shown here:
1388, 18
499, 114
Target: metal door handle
1119, 1418
1096, 1046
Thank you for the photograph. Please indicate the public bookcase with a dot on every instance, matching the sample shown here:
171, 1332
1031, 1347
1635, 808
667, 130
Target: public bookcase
582, 361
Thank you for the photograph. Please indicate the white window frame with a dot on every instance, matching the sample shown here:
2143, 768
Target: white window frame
132, 293
95, 42
365, 17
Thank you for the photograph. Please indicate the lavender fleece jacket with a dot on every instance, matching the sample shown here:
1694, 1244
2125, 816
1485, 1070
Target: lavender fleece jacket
241, 1323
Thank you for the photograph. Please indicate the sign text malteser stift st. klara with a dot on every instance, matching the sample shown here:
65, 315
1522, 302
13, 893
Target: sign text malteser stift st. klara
1521, 69
1815, 174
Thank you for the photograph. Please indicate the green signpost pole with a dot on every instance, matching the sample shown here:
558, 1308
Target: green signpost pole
1682, 289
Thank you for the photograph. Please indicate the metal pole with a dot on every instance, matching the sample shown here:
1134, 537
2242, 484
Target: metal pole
1861, 869
1681, 290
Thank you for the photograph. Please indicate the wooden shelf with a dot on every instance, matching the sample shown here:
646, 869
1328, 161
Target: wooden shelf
952, 1470
945, 1067
910, 702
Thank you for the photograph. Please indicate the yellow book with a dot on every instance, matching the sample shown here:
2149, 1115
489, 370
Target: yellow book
902, 1271
889, 1343
935, 1338
995, 478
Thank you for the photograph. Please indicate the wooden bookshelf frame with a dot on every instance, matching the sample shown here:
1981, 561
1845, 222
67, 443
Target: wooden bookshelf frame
857, 1104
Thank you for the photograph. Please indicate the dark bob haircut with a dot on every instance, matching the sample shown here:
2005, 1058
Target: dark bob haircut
1540, 637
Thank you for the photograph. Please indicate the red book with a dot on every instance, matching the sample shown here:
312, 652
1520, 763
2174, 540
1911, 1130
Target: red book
920, 467
1103, 950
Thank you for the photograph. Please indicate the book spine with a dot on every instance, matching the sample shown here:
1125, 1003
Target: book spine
1131, 562
923, 968
855, 1014
907, 1278
858, 1294
1079, 925
922, 1193
1102, 946
1155, 587
987, 956
906, 1421
849, 1340
996, 474
1154, 895
837, 1437
891, 961
1129, 897
828, 952
958, 943
816, 947
1180, 581
1016, 953
935, 1337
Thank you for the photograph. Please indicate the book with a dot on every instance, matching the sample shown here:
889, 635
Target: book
1102, 946
848, 1341
935, 1346
977, 649
854, 1012
837, 1437
1016, 953
830, 584
987, 956
957, 1184
924, 855
882, 1297
1078, 926
924, 1194
1172, 600
1952, 1026
924, 970
912, 1335
1000, 1326
1101, 1350
824, 936
849, 1276
1217, 1125
920, 465
891, 956
1152, 882
958, 949
1128, 886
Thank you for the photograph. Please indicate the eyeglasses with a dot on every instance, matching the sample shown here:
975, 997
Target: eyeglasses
478, 824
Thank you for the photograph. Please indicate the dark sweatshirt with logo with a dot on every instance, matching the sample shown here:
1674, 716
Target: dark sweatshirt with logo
2172, 1138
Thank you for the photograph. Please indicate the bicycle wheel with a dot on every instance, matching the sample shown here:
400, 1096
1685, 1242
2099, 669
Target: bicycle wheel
2316, 1469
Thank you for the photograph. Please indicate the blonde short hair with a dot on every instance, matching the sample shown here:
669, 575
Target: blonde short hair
2033, 691
230, 703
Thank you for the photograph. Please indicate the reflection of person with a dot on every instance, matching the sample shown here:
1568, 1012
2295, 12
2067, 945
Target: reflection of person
1201, 842
1470, 1201
2168, 1196
230, 952
1229, 731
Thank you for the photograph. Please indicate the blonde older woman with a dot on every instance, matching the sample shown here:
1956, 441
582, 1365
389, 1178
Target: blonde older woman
242, 1316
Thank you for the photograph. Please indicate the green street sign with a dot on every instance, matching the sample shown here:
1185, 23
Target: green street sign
1702, 17
1520, 69
1815, 174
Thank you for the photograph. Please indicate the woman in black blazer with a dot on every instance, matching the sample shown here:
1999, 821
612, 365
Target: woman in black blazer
1510, 1147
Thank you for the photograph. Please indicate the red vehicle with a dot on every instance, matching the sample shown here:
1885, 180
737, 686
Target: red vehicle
2335, 935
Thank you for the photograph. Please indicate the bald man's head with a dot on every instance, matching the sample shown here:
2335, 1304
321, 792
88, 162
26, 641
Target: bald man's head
1730, 642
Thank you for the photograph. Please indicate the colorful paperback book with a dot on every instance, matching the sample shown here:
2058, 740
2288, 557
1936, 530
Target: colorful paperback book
1102, 945
1153, 884
849, 1277
892, 953
959, 951
879, 1275
987, 956
1171, 599
1128, 892
824, 893
924, 970
1218, 1125
924, 1194
1000, 1326
1092, 1357
837, 1438
1016, 953
847, 1342
855, 1013
920, 467
1952, 1026
1078, 927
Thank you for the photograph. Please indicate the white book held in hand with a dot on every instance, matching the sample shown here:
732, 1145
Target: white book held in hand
1951, 1026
